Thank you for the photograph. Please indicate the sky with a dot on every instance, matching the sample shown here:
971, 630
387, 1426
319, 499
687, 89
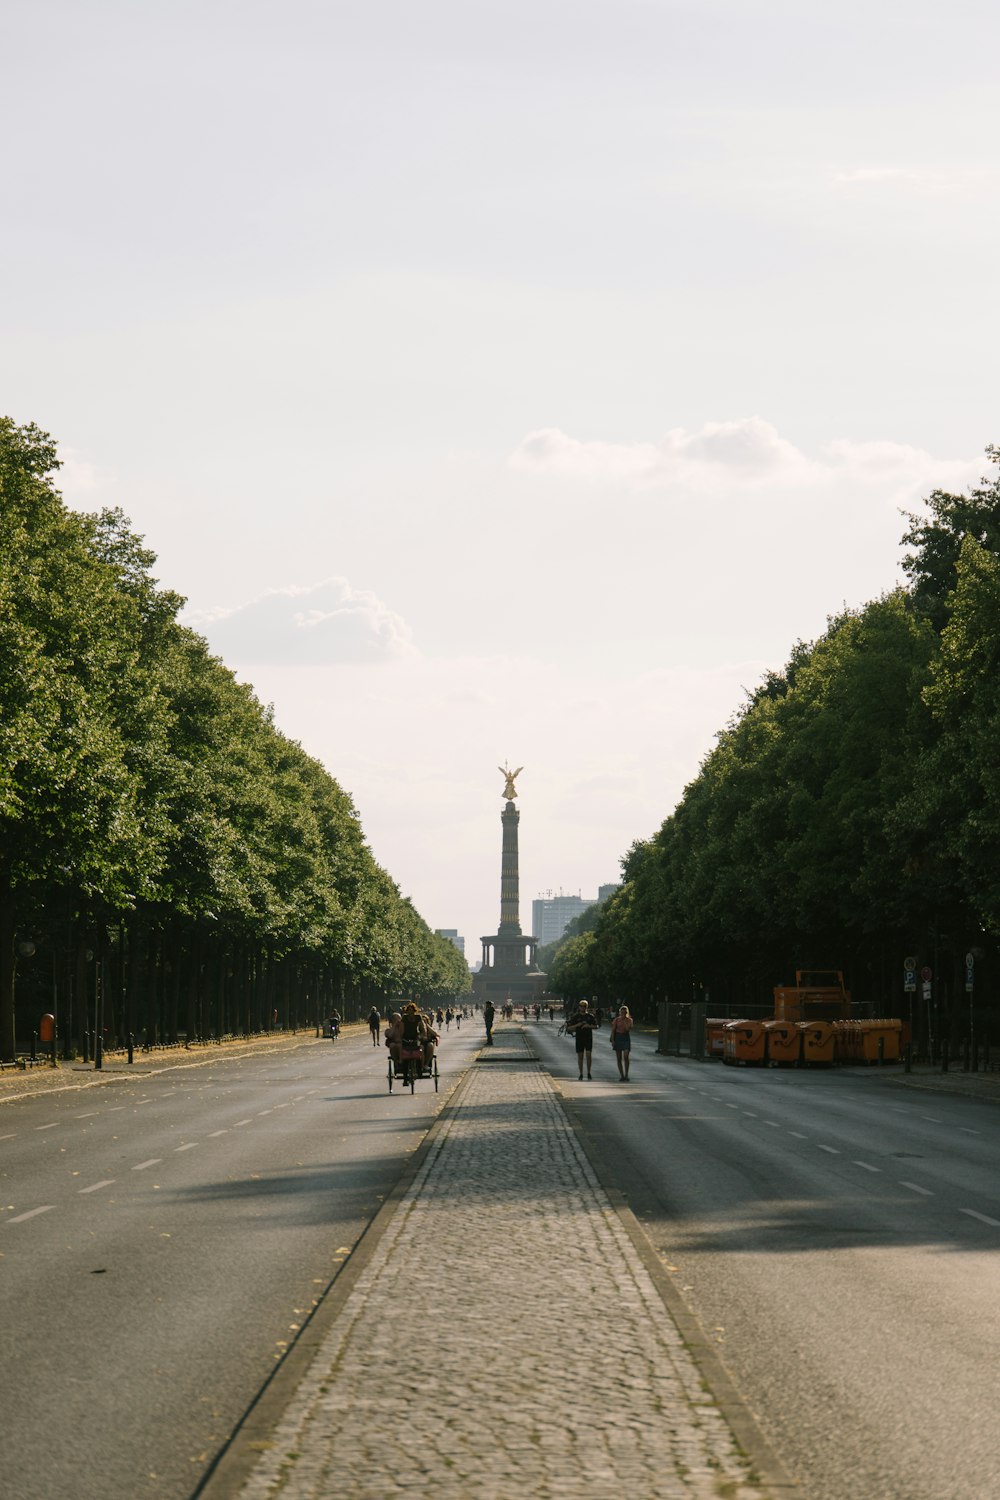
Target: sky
505, 382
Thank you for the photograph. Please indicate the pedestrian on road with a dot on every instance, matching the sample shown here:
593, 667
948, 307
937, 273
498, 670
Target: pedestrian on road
583, 1025
621, 1040
489, 1015
374, 1024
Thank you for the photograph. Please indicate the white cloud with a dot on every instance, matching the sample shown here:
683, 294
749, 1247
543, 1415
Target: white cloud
326, 623
746, 453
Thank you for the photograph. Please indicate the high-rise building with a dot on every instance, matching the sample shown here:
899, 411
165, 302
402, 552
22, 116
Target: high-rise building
551, 915
451, 933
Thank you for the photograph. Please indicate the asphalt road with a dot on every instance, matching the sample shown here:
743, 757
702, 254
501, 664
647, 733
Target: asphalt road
162, 1242
840, 1237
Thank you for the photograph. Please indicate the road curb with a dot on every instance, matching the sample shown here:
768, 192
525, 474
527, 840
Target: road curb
252, 1434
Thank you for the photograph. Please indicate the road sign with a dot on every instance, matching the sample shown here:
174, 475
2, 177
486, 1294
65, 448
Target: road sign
926, 974
909, 963
970, 969
909, 981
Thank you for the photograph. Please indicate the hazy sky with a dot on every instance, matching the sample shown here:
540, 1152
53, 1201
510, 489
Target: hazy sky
505, 380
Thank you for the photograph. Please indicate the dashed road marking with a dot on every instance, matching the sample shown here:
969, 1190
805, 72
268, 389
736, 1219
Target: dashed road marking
966, 1131
214, 1133
934, 1119
47, 1127
916, 1188
8, 1137
831, 1149
983, 1218
189, 1147
247, 1121
798, 1135
88, 1115
152, 1162
867, 1166
261, 1112
750, 1114
32, 1214
773, 1123
95, 1186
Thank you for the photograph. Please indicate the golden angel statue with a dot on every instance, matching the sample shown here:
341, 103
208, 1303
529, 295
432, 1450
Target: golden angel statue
505, 770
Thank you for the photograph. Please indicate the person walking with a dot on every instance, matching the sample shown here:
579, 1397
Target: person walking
582, 1023
621, 1040
374, 1024
489, 1015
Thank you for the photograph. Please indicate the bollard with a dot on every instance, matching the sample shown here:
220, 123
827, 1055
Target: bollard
98, 1050
34, 1046
131, 1047
86, 1046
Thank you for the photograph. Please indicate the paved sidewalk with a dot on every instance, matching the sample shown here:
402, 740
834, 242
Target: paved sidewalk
503, 1339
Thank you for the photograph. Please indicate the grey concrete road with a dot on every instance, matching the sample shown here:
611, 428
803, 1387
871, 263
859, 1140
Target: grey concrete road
840, 1237
163, 1240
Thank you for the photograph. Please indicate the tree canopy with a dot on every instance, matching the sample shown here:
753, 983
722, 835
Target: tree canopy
144, 789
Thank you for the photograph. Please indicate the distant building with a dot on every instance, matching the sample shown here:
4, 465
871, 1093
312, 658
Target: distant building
551, 915
451, 933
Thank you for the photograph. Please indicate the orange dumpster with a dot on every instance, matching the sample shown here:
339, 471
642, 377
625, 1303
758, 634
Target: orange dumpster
783, 1043
872, 1033
743, 1042
715, 1028
817, 1041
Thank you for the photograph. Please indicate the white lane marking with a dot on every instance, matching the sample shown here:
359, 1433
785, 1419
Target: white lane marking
966, 1131
732, 1106
147, 1100
831, 1149
867, 1166
214, 1133
112, 1108
154, 1161
8, 1137
88, 1114
798, 1135
247, 1121
934, 1119
283, 1106
32, 1214
262, 1112
189, 1147
94, 1186
983, 1218
916, 1188
773, 1123
750, 1114
47, 1127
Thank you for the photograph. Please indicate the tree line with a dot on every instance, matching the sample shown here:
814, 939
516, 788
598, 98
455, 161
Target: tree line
848, 816
165, 850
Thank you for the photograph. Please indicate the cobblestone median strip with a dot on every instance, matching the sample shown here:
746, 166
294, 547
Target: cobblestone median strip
503, 1340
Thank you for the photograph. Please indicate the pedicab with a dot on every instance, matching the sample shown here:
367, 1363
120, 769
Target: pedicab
417, 1060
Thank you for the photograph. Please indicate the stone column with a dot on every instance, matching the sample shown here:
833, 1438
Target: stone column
510, 901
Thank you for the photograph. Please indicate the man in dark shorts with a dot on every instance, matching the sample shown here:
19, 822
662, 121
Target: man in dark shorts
582, 1024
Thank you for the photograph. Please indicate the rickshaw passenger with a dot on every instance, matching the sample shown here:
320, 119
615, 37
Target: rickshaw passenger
393, 1037
431, 1039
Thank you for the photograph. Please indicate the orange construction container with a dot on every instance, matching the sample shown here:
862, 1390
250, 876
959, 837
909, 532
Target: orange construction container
715, 1028
743, 1042
783, 1042
818, 1038
885, 1031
